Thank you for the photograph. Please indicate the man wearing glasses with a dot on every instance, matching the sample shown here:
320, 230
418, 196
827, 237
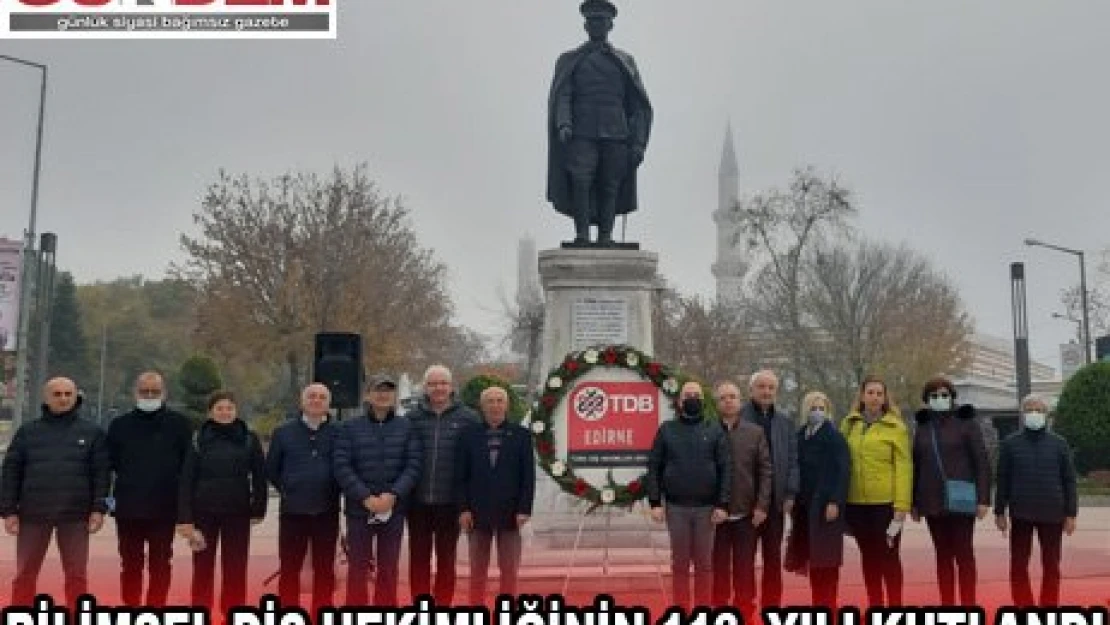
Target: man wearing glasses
378, 460
54, 479
148, 447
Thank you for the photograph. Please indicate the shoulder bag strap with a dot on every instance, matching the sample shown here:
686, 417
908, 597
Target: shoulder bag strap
936, 451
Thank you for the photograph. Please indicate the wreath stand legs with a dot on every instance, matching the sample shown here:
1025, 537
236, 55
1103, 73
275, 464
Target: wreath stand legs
655, 560
574, 552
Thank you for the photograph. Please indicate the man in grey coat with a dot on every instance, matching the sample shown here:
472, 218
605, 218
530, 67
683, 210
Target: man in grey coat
440, 421
779, 428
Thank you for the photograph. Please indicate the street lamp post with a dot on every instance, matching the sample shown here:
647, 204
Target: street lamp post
22, 341
1082, 290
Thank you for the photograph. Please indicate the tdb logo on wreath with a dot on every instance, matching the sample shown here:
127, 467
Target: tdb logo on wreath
612, 423
589, 403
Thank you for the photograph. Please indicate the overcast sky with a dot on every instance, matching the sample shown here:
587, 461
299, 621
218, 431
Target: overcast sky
962, 127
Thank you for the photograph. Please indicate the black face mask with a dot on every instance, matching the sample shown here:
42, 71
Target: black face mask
691, 408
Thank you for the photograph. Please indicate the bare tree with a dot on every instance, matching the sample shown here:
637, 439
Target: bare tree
707, 340
1098, 300
880, 309
777, 228
278, 261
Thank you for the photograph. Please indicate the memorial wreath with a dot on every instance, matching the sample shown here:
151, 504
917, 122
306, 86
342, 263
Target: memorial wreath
559, 381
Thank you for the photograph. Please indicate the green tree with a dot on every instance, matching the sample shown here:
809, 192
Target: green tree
139, 325
472, 392
1083, 416
68, 348
198, 378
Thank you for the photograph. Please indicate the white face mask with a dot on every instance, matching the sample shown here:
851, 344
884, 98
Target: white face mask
1034, 420
148, 405
940, 404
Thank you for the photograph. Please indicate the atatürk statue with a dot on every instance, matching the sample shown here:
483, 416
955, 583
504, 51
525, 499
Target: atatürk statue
599, 119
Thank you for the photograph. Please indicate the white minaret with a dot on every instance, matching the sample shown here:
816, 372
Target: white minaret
528, 291
731, 267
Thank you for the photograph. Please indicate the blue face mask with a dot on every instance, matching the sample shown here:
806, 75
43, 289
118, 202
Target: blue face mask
940, 403
816, 416
1034, 420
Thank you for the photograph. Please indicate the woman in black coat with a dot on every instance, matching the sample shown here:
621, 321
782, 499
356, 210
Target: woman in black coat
223, 492
816, 544
948, 446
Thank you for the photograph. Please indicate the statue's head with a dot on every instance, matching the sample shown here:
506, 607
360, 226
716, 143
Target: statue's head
599, 16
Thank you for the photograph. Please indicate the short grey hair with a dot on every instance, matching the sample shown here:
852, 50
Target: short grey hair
762, 373
490, 391
1035, 398
442, 369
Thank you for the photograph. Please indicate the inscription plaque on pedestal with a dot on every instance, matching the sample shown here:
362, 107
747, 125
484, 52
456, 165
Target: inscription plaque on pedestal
599, 321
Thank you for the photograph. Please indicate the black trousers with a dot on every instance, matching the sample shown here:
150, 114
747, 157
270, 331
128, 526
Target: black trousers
823, 583
1051, 536
433, 526
232, 535
955, 550
769, 538
145, 544
734, 564
880, 560
30, 551
296, 533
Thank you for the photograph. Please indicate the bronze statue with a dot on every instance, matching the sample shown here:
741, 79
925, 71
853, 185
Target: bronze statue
599, 119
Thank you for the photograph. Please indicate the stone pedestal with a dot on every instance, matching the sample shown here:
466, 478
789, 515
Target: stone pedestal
593, 297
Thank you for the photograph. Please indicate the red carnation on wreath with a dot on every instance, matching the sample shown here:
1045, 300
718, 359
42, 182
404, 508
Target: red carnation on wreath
544, 447
549, 401
571, 366
610, 357
580, 487
654, 369
634, 487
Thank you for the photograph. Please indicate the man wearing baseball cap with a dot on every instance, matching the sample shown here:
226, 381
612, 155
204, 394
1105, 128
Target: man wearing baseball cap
378, 459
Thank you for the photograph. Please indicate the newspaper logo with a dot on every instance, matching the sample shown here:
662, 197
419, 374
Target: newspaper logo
168, 19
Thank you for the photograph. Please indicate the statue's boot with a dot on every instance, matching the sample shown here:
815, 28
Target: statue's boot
582, 211
606, 217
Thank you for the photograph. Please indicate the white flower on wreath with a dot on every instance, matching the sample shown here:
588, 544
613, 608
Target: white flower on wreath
554, 382
632, 359
590, 356
670, 386
608, 495
538, 427
558, 469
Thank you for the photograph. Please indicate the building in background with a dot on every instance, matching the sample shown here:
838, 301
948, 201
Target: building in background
990, 380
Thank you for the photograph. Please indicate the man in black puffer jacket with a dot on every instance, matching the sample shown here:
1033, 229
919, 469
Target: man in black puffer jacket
148, 447
1037, 485
690, 469
433, 517
377, 464
299, 465
55, 479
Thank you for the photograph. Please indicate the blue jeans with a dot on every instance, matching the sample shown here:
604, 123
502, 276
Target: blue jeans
30, 551
691, 532
361, 546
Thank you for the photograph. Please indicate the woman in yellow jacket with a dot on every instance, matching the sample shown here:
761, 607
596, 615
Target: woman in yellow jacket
880, 489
